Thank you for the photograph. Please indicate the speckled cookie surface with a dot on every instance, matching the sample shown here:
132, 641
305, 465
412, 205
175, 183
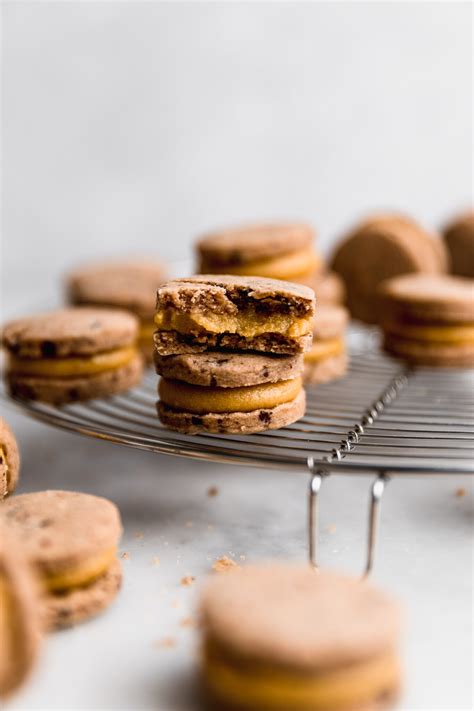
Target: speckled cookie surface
129, 285
327, 369
252, 243
297, 617
61, 529
172, 342
68, 332
233, 422
9, 460
60, 391
438, 299
229, 370
459, 238
80, 604
19, 615
380, 248
330, 321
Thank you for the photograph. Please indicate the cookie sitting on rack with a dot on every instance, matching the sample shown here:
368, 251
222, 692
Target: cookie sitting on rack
72, 354
327, 359
429, 320
230, 353
9, 460
285, 636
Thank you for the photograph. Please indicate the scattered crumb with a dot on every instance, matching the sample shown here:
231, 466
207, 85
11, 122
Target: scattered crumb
242, 557
210, 527
187, 580
175, 603
460, 492
212, 491
138, 535
166, 643
332, 528
166, 543
125, 555
222, 565
156, 561
189, 524
187, 622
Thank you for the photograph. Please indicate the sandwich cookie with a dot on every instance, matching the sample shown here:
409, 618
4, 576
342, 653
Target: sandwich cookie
19, 615
459, 239
72, 354
71, 540
207, 312
327, 359
278, 251
287, 637
328, 288
429, 320
231, 393
9, 460
127, 285
382, 247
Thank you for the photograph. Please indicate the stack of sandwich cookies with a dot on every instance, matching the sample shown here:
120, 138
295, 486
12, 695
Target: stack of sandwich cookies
127, 285
327, 358
229, 350
72, 354
382, 247
289, 637
459, 239
429, 320
19, 615
9, 460
71, 540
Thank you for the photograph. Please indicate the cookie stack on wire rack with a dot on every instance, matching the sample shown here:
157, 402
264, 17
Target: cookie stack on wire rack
230, 353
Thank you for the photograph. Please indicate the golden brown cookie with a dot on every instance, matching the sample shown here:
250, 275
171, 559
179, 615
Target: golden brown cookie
288, 636
72, 354
429, 320
9, 460
71, 539
129, 285
380, 248
327, 359
19, 615
459, 238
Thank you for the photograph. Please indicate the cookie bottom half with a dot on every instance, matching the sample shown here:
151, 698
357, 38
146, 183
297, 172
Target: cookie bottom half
70, 607
325, 370
59, 391
233, 422
431, 354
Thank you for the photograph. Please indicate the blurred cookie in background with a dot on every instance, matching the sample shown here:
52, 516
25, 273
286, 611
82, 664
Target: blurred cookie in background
130, 285
19, 615
9, 460
459, 238
327, 359
379, 248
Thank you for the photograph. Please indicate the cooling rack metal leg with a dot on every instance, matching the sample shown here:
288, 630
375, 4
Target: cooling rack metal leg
376, 493
313, 523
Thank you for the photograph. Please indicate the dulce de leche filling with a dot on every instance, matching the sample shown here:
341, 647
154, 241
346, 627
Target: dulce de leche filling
82, 574
200, 399
456, 334
288, 266
146, 331
69, 367
274, 688
324, 349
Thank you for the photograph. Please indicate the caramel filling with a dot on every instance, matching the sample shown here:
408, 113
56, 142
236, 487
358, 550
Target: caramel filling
435, 334
82, 574
199, 399
280, 689
321, 350
146, 331
248, 323
287, 267
68, 367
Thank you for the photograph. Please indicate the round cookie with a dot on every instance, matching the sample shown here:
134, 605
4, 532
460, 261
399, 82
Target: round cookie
288, 636
328, 287
380, 248
9, 460
71, 539
72, 354
327, 360
19, 615
229, 370
459, 239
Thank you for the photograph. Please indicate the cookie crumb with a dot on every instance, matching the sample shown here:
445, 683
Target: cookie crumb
212, 491
156, 561
189, 524
224, 564
332, 528
175, 603
210, 527
138, 535
187, 622
166, 643
187, 580
125, 555
460, 492
242, 557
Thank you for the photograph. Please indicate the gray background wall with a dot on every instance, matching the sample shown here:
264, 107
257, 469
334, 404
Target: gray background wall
132, 126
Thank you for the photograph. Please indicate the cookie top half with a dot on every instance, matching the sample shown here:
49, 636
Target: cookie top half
432, 298
9, 459
60, 530
247, 244
294, 616
129, 285
330, 321
72, 331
